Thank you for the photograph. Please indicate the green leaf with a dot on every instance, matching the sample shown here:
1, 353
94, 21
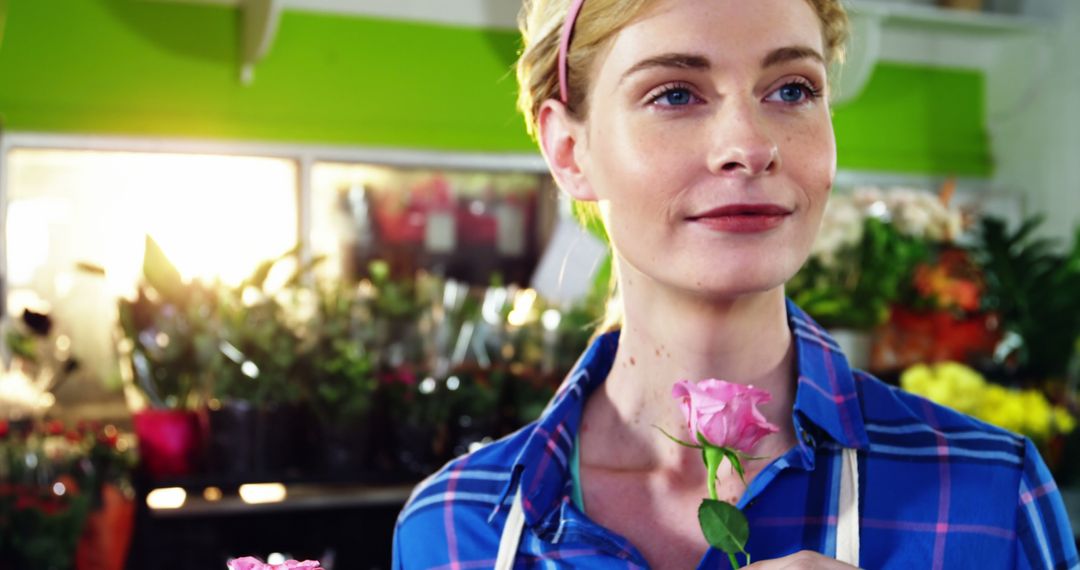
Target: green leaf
724, 526
675, 439
161, 274
736, 464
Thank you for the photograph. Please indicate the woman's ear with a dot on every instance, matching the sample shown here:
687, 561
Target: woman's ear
562, 140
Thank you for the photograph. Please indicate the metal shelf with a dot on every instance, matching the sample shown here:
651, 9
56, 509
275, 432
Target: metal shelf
300, 497
897, 14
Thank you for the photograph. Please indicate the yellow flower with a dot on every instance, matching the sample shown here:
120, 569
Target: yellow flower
959, 387
917, 379
1038, 417
1064, 421
1002, 408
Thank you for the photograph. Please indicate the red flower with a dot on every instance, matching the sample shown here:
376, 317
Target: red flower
88, 426
109, 436
4, 428
55, 427
25, 502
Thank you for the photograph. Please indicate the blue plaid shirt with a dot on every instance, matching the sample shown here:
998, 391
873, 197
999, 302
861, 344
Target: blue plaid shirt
937, 489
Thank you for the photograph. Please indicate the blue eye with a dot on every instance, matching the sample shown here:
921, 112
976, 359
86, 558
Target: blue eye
791, 93
676, 97
794, 93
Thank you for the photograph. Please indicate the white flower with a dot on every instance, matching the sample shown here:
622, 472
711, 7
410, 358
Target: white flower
841, 227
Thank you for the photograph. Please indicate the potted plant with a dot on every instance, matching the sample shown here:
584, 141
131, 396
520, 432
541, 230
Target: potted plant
869, 244
940, 315
168, 332
1032, 287
255, 392
336, 367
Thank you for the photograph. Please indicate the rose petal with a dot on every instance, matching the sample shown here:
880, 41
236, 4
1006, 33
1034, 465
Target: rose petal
247, 563
723, 412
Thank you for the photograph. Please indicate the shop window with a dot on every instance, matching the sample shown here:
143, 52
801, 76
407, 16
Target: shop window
67, 211
471, 226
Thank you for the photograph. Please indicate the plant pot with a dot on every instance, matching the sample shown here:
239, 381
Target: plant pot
107, 535
231, 442
283, 439
421, 448
913, 337
345, 448
473, 429
170, 442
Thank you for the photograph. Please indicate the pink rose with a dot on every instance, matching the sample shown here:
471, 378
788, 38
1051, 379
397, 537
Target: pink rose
249, 563
724, 413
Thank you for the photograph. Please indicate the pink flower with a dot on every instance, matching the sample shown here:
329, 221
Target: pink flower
724, 413
249, 563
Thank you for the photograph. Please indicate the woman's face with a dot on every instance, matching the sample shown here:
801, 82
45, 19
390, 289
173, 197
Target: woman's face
709, 144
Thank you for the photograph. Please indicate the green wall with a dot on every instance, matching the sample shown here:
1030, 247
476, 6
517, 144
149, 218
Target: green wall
912, 119
139, 67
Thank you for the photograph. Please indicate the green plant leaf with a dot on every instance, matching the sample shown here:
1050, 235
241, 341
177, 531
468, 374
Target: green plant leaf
675, 439
724, 526
161, 274
736, 464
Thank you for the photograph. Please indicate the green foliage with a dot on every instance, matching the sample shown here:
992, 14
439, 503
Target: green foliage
171, 336
256, 352
160, 274
46, 538
856, 292
1033, 289
724, 526
22, 345
334, 365
40, 528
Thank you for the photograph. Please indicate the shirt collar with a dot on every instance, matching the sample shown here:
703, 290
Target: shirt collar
826, 397
827, 394
542, 467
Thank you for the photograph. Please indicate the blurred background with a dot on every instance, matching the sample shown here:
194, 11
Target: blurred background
265, 264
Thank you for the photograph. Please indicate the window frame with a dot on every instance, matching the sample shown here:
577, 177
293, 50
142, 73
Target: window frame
305, 156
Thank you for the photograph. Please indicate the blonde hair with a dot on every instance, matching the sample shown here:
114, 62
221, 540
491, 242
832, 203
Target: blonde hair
541, 23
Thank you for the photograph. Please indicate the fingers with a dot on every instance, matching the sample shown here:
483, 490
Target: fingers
803, 560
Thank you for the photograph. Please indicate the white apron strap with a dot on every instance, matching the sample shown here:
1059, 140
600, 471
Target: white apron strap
511, 535
847, 524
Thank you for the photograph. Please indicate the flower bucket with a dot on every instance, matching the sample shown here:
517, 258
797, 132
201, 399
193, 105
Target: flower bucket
107, 535
421, 448
345, 448
170, 442
912, 337
231, 439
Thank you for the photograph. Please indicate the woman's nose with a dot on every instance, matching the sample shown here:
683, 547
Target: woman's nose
741, 144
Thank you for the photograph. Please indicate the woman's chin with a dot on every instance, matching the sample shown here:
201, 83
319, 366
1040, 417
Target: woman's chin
725, 288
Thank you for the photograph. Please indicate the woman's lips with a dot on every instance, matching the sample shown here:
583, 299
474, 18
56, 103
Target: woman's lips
743, 218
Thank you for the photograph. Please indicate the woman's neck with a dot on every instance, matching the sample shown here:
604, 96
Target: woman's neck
668, 336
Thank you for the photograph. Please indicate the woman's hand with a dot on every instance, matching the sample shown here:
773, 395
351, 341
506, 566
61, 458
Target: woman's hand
804, 560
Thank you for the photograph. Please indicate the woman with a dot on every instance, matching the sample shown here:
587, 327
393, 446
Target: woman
702, 130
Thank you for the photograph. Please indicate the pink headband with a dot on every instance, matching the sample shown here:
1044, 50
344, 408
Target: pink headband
564, 47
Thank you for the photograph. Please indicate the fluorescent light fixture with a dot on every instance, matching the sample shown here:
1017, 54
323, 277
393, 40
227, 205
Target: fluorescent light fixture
260, 493
166, 498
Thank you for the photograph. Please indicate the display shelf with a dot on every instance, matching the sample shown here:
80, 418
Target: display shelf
927, 17
299, 497
926, 35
